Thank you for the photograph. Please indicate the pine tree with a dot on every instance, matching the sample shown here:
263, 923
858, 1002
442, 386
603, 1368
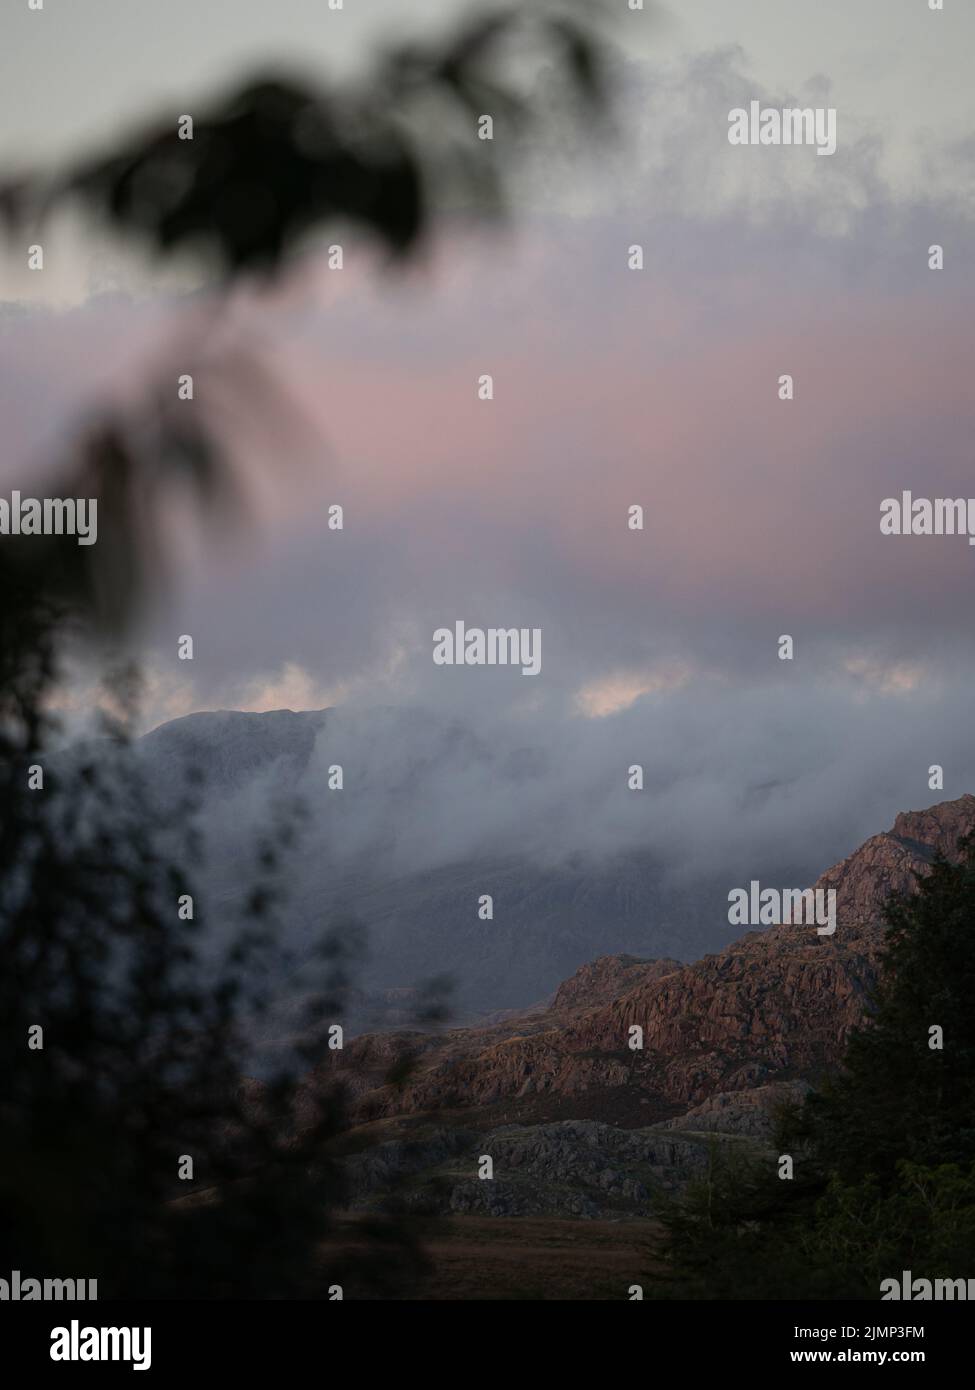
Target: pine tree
885, 1151
900, 1095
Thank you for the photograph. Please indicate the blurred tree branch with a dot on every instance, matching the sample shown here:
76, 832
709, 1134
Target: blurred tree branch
269, 166
142, 1056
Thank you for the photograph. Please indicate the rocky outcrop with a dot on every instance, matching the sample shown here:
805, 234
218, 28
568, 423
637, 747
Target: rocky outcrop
750, 1114
888, 863
579, 1123
605, 979
777, 1006
579, 1168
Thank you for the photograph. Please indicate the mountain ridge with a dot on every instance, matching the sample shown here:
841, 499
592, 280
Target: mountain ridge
776, 1006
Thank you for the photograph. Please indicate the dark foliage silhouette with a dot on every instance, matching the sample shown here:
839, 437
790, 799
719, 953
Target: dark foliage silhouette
144, 1053
884, 1151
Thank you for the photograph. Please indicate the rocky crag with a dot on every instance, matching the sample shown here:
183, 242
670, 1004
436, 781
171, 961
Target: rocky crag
579, 1122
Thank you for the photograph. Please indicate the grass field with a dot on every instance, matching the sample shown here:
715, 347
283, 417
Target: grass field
524, 1258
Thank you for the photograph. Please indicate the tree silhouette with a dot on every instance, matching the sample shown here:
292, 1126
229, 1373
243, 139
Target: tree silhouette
124, 1039
884, 1150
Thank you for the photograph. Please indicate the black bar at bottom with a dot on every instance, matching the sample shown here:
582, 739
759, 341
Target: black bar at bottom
293, 1339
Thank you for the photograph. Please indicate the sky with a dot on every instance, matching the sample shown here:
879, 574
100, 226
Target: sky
613, 387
